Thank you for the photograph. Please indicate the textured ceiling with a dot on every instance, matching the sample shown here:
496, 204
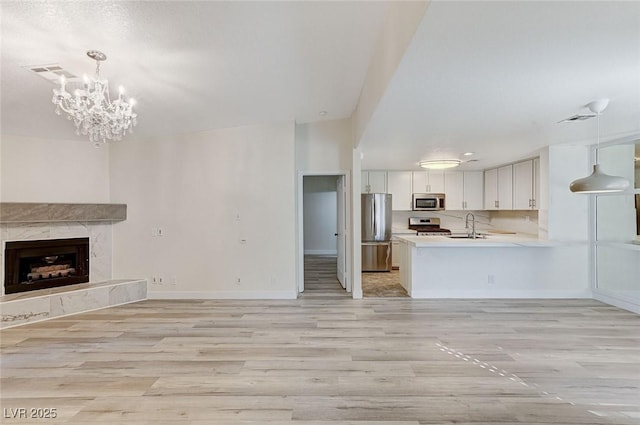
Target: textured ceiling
496, 77
488, 77
191, 65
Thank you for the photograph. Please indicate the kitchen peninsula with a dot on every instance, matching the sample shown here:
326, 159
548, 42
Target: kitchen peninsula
498, 266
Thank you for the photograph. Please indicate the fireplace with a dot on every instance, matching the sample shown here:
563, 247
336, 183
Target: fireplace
31, 265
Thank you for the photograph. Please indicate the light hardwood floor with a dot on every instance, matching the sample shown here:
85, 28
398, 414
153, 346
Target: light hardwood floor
321, 361
321, 278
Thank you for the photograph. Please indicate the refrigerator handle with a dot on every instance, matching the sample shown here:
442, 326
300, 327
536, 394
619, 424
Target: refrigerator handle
373, 218
373, 215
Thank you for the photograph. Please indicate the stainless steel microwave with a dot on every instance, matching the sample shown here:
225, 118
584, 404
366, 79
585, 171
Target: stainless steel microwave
428, 201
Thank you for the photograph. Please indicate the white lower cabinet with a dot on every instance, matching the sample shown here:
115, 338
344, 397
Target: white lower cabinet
395, 254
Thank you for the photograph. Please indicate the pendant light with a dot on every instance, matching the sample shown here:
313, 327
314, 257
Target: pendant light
598, 181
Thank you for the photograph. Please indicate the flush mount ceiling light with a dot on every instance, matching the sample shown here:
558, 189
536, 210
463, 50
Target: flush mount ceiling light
440, 164
91, 109
598, 181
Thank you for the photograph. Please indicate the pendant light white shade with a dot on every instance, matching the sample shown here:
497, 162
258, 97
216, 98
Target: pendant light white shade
598, 181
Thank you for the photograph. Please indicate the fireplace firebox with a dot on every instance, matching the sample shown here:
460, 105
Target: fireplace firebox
48, 263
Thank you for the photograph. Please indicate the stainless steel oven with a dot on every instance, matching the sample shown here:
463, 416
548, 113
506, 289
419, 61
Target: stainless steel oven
428, 201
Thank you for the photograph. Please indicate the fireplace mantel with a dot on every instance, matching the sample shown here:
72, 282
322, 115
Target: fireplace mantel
35, 212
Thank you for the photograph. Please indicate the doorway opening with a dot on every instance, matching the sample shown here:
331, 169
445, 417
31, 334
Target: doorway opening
322, 240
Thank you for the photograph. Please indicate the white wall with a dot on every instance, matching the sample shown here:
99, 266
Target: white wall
401, 21
39, 170
68, 171
324, 146
225, 202
320, 215
568, 213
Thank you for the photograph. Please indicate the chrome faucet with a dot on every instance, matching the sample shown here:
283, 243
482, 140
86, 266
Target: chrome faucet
471, 234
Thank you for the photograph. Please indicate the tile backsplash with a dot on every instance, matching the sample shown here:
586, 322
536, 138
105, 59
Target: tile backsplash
513, 221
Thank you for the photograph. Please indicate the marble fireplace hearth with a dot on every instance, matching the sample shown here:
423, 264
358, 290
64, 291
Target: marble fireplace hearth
34, 306
51, 221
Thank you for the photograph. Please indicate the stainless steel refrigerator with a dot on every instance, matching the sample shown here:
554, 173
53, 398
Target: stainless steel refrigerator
376, 232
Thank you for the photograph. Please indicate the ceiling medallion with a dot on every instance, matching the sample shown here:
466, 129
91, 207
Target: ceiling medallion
91, 109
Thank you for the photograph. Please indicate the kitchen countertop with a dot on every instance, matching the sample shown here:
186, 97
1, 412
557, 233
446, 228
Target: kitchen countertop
491, 241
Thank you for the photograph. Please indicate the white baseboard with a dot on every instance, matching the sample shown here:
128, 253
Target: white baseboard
320, 252
617, 301
222, 295
438, 294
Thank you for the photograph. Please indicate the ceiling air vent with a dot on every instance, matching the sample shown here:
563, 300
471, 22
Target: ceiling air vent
52, 73
578, 117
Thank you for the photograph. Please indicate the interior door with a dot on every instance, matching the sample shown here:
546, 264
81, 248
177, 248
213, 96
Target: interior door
341, 231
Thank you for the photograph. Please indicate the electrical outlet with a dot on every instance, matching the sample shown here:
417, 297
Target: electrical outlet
157, 232
160, 280
238, 281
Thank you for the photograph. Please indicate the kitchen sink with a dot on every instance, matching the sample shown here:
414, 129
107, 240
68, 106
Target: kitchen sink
467, 236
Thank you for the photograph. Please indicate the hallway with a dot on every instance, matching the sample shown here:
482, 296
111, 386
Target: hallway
320, 278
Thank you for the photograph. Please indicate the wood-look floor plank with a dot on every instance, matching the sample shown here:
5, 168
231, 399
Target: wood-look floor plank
324, 359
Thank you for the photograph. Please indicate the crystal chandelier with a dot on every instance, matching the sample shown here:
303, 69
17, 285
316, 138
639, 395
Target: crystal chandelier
92, 110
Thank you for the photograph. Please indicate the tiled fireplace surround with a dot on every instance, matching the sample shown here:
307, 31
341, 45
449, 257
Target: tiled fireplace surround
34, 221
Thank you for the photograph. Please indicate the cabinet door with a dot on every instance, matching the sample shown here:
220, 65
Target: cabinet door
420, 182
395, 254
523, 185
436, 181
491, 189
378, 181
505, 187
454, 190
364, 183
399, 186
536, 183
473, 190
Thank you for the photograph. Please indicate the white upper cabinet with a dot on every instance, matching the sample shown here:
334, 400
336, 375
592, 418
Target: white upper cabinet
463, 190
511, 187
399, 186
473, 190
428, 181
536, 183
491, 189
498, 188
505, 187
454, 190
525, 184
373, 182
